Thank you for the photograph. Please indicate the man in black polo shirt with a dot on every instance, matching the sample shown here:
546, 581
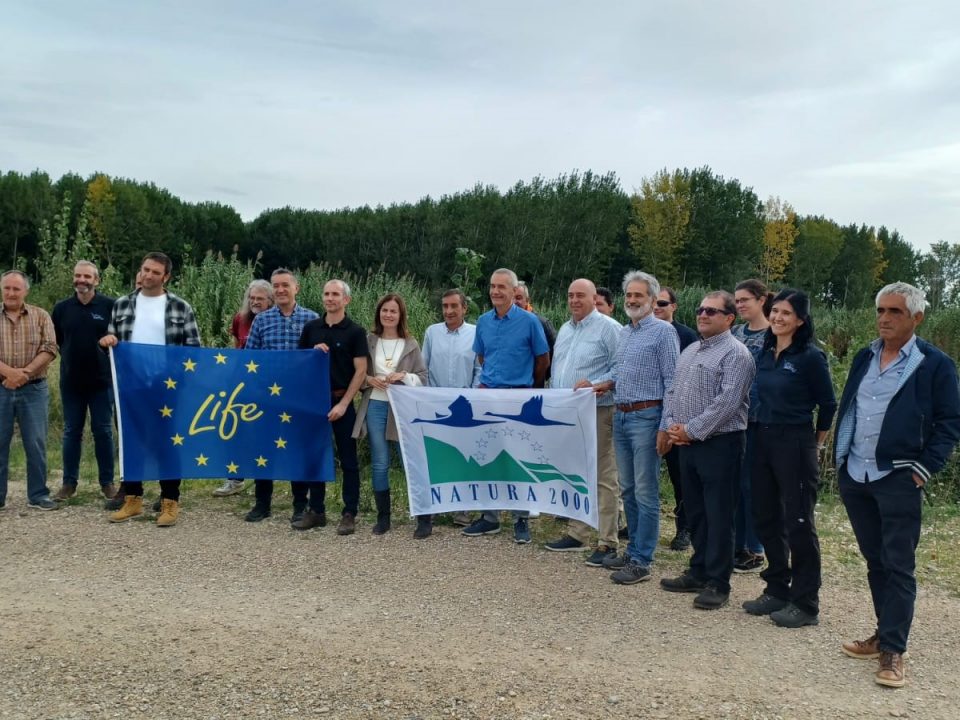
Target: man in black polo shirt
80, 321
346, 342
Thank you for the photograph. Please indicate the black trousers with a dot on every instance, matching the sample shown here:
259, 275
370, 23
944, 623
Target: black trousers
316, 493
673, 470
169, 489
785, 478
885, 515
710, 474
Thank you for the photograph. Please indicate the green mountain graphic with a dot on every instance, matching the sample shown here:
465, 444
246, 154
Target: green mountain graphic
446, 464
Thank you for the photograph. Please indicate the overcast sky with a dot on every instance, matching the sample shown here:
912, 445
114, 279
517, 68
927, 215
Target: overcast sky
842, 108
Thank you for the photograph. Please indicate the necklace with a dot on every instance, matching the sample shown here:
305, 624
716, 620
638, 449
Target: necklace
388, 359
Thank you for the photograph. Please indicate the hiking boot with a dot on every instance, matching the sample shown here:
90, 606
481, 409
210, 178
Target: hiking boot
793, 617
686, 583
169, 512
631, 574
862, 649
615, 562
462, 519
711, 599
565, 544
229, 487
109, 490
259, 511
596, 558
132, 506
116, 502
65, 492
681, 541
43, 504
764, 605
424, 528
348, 524
311, 519
891, 672
748, 562
482, 527
299, 509
521, 531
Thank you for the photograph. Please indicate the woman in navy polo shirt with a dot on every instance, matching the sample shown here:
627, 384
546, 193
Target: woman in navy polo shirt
792, 379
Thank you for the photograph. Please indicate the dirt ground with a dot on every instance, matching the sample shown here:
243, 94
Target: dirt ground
217, 618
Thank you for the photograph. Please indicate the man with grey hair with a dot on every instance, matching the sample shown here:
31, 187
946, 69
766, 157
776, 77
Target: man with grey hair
513, 353
647, 355
85, 380
899, 421
27, 346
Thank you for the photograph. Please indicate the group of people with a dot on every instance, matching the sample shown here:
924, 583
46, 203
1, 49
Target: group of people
740, 414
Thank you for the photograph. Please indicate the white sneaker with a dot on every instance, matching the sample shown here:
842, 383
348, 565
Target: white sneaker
229, 487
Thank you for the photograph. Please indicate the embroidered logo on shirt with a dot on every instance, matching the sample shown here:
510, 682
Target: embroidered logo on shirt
789, 367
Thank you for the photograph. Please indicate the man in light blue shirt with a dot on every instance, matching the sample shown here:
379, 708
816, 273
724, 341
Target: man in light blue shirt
584, 357
448, 346
513, 352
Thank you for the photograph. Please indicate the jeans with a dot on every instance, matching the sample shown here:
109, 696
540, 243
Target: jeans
380, 447
635, 443
28, 406
710, 472
746, 534
75, 406
885, 516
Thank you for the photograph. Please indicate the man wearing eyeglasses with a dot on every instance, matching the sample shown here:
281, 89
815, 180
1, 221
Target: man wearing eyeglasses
647, 353
705, 415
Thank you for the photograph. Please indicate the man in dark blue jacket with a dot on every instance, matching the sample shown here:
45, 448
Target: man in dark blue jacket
899, 422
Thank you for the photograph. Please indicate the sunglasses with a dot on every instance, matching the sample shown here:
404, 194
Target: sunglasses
711, 312
664, 303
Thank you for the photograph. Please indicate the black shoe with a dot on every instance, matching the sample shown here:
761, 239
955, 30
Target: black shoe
597, 557
793, 617
681, 541
298, 511
748, 562
686, 583
711, 599
615, 562
382, 500
257, 513
424, 528
764, 605
565, 544
116, 502
631, 574
311, 519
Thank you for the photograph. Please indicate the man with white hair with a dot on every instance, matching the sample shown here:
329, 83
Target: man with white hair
646, 359
899, 421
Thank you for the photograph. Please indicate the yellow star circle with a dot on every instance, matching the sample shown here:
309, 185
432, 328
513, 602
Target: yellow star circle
202, 460
232, 467
281, 443
177, 439
261, 461
166, 412
220, 358
189, 365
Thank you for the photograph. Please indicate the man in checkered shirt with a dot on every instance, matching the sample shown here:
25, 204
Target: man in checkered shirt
705, 415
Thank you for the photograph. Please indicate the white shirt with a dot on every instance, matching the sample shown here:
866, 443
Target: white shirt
148, 320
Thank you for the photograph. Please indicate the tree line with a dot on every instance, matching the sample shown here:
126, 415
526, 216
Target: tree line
688, 227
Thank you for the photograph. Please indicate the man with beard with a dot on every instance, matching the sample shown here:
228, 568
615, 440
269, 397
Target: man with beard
85, 384
646, 358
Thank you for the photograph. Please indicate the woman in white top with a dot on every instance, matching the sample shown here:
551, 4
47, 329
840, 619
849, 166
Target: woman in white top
393, 358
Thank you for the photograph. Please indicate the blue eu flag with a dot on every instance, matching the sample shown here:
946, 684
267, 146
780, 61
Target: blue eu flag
207, 413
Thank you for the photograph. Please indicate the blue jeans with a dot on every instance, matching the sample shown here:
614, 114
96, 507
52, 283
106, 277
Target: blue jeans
75, 406
28, 406
635, 442
380, 447
746, 534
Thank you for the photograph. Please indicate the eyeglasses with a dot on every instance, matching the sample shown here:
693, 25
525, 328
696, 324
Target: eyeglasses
663, 303
710, 312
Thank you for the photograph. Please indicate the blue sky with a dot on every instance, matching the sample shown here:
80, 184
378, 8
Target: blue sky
847, 109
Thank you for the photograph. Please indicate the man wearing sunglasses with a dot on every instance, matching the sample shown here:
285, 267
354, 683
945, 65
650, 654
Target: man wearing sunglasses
705, 415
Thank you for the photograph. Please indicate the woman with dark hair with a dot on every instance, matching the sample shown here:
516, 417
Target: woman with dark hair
753, 301
393, 358
792, 380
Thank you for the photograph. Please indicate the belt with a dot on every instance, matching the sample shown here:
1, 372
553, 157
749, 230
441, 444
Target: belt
36, 380
338, 393
640, 405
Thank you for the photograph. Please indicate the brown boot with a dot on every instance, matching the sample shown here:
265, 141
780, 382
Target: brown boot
347, 524
132, 506
109, 491
862, 649
169, 512
891, 672
65, 492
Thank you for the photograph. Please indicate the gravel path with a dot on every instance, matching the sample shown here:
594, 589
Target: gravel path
218, 618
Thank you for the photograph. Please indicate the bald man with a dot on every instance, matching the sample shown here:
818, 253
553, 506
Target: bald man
583, 359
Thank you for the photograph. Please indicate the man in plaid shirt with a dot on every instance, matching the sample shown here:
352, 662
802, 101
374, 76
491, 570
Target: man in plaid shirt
705, 414
153, 316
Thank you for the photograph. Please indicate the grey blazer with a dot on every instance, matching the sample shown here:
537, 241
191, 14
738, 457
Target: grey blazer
410, 361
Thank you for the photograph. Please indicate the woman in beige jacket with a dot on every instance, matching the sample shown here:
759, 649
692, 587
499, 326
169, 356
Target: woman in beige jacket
393, 358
